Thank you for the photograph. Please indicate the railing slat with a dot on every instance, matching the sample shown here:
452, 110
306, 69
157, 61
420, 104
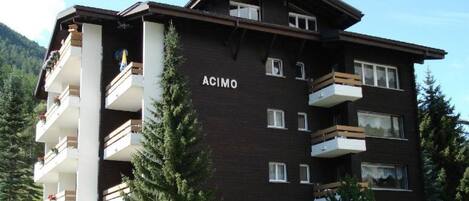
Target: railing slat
133, 68
337, 131
336, 78
131, 126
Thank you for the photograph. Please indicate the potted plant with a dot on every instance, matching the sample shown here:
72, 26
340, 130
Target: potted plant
42, 117
57, 100
51, 197
40, 159
54, 150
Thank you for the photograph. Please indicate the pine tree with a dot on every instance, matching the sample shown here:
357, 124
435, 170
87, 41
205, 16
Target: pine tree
15, 169
350, 190
173, 164
445, 157
463, 188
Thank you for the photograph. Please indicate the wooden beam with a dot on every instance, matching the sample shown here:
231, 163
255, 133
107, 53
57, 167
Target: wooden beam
230, 37
238, 46
269, 49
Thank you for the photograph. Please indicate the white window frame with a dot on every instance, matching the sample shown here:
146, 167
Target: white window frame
306, 121
277, 165
250, 6
303, 71
404, 169
275, 119
307, 174
306, 17
402, 135
375, 75
272, 61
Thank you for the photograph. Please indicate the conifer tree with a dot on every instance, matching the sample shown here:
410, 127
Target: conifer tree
445, 157
15, 168
173, 164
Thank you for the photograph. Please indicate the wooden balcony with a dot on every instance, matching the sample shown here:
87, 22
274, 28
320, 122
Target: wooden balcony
64, 68
116, 193
65, 196
337, 141
63, 114
335, 88
125, 92
62, 158
123, 142
322, 191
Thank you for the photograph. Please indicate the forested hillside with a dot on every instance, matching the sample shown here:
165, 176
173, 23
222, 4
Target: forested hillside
20, 62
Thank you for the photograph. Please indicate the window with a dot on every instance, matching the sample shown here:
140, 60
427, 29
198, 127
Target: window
277, 172
275, 118
381, 125
383, 176
243, 10
302, 21
300, 71
304, 174
274, 67
377, 75
302, 121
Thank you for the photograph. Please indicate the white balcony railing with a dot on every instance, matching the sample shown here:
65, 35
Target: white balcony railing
125, 92
123, 142
62, 115
116, 193
66, 70
63, 158
337, 141
322, 191
335, 88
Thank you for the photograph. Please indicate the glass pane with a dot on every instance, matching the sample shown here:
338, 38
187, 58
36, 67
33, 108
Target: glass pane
381, 76
277, 68
301, 122
301, 23
292, 21
244, 12
254, 14
385, 176
377, 125
279, 119
392, 78
281, 172
272, 172
369, 76
268, 67
300, 70
312, 25
270, 118
396, 126
358, 69
234, 10
304, 174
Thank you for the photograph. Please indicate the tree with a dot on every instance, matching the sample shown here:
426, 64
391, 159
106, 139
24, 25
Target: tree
173, 164
351, 190
15, 167
444, 149
463, 189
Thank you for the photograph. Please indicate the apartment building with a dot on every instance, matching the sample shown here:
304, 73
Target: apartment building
289, 101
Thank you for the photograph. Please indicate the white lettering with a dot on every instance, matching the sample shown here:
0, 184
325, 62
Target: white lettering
213, 81
219, 82
205, 81
225, 83
234, 84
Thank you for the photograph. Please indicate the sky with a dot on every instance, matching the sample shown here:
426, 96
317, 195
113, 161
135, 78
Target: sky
434, 23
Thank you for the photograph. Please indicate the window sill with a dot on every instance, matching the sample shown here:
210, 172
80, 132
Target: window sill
391, 189
304, 130
373, 86
388, 138
279, 182
280, 128
306, 183
278, 76
301, 79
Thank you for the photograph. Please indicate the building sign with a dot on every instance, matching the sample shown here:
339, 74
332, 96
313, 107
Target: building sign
219, 82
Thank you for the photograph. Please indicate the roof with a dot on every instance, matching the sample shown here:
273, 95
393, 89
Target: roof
77, 14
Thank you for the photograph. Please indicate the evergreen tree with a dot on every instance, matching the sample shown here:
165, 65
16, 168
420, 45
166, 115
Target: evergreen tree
174, 163
350, 190
15, 170
463, 189
445, 157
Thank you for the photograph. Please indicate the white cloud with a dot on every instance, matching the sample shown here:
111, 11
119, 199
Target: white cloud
32, 18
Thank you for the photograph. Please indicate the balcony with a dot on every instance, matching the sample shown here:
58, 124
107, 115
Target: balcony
125, 92
62, 158
116, 193
337, 141
62, 115
320, 192
64, 196
335, 88
66, 70
121, 143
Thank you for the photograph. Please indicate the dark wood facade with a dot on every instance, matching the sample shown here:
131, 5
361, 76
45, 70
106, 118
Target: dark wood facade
235, 119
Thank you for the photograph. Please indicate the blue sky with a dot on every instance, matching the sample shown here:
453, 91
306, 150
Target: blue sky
435, 23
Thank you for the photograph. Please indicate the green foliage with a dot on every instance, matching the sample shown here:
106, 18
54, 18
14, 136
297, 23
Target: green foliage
350, 190
444, 148
15, 170
174, 163
463, 188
